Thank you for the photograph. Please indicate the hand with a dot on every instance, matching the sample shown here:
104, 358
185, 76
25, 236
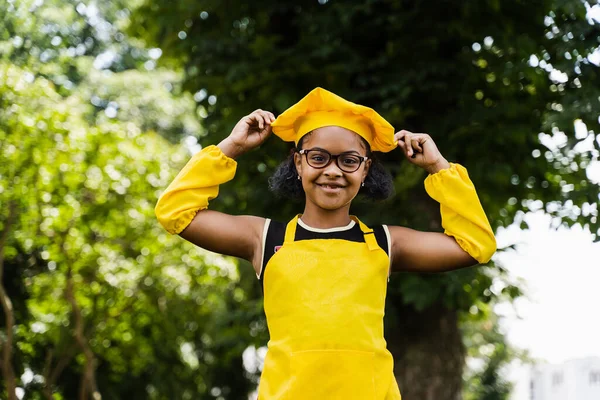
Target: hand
420, 150
250, 132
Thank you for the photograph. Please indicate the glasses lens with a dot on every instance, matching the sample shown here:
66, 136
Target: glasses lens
349, 162
317, 158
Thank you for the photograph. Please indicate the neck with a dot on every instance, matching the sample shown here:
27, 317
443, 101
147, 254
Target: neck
325, 219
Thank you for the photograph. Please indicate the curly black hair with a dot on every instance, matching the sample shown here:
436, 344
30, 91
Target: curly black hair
285, 183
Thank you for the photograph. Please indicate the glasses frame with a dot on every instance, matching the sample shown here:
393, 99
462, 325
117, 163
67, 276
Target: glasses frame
332, 157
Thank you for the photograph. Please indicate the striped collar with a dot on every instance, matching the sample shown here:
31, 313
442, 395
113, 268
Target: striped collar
318, 230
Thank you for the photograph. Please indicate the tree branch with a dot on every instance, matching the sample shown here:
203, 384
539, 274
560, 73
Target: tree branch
47, 389
51, 375
88, 380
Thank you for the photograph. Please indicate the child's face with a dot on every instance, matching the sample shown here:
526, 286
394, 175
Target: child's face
331, 188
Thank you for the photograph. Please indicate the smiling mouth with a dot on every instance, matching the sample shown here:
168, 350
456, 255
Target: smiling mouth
330, 187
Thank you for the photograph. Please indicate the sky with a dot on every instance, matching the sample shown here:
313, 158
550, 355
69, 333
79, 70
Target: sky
559, 319
561, 270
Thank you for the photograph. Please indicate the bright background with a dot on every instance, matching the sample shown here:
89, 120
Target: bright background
558, 319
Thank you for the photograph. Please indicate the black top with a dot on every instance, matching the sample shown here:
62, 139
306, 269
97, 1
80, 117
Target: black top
276, 235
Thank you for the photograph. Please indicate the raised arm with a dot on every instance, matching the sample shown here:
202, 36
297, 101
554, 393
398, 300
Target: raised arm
182, 207
468, 238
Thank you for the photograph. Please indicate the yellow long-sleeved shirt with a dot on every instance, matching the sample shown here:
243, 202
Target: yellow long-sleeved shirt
462, 214
191, 190
198, 183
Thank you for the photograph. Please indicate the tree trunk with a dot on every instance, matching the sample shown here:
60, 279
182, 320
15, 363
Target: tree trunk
428, 353
6, 345
88, 388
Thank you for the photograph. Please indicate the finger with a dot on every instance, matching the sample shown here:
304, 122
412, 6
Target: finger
399, 136
261, 122
266, 117
416, 146
423, 138
257, 117
250, 119
408, 145
407, 139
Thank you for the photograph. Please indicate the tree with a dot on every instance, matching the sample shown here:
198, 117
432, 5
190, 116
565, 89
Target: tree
489, 353
97, 300
105, 300
484, 78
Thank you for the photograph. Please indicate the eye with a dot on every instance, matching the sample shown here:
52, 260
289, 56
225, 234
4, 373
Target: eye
318, 157
350, 160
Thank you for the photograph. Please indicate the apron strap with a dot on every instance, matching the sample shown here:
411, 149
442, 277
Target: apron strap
368, 233
290, 230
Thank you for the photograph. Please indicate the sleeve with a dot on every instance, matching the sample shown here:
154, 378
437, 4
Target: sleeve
462, 214
191, 190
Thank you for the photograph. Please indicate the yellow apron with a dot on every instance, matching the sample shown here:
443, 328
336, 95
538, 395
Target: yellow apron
324, 300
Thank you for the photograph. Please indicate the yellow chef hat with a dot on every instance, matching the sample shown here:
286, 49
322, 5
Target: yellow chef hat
322, 108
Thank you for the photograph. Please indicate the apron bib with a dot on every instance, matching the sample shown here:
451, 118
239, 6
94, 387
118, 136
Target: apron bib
324, 301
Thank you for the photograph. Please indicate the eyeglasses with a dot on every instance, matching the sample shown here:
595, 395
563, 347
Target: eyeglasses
347, 162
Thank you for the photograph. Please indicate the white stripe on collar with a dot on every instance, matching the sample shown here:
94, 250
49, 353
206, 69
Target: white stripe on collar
318, 230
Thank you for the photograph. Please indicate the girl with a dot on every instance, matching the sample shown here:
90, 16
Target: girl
324, 273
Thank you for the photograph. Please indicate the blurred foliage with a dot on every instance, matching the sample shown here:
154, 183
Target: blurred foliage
498, 85
93, 104
156, 311
79, 49
86, 148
